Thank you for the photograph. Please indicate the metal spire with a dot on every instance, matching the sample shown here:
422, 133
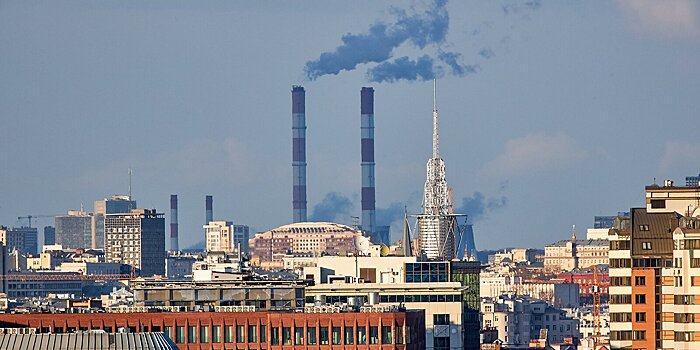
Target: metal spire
435, 122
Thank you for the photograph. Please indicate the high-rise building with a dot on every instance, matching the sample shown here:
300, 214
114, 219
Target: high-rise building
49, 235
241, 235
219, 236
23, 239
74, 230
113, 205
652, 268
438, 224
136, 238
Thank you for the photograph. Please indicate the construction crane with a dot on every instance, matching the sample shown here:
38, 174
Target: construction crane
595, 292
30, 217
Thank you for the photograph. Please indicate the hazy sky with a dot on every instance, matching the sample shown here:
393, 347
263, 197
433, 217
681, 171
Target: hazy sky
566, 111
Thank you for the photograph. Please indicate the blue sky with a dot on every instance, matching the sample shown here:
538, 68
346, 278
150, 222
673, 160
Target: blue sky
574, 107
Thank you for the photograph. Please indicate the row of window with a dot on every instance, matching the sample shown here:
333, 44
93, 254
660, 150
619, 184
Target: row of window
286, 335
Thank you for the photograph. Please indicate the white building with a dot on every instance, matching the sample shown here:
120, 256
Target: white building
519, 319
219, 236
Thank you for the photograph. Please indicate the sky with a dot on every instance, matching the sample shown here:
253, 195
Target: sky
550, 112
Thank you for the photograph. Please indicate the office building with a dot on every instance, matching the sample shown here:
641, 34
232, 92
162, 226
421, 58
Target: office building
74, 231
241, 236
49, 235
113, 205
136, 238
23, 239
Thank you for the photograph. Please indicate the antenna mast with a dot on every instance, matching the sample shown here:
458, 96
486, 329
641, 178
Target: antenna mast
435, 125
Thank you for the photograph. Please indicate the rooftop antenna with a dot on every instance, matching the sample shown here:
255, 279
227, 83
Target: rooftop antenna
435, 116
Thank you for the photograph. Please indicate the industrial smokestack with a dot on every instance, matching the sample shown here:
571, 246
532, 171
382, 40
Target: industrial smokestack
209, 210
298, 154
173, 223
367, 134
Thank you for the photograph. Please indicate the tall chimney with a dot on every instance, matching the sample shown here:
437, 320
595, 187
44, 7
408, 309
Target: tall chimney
173, 223
210, 210
298, 154
367, 132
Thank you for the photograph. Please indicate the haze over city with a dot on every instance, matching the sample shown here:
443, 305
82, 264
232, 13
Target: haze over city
550, 113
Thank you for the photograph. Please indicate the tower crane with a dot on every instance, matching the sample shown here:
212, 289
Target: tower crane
30, 217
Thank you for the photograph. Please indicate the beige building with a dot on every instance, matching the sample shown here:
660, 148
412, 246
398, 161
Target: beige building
219, 236
314, 238
567, 255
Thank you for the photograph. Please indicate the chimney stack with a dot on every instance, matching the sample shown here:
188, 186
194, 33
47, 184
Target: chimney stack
367, 134
209, 210
298, 154
173, 223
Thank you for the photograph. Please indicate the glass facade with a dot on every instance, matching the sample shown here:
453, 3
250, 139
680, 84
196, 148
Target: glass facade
430, 271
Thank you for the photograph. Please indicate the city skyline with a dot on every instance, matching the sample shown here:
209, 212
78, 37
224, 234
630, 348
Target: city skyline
555, 126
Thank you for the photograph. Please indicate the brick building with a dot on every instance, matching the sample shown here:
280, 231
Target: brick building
401, 330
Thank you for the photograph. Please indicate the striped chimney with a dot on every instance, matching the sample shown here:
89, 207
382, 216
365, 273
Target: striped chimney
367, 134
173, 223
298, 154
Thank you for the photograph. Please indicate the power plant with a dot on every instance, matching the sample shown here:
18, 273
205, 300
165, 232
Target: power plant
298, 154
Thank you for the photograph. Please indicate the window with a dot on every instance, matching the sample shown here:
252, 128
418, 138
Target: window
349, 335
443, 319
399, 335
658, 204
192, 334
286, 336
387, 338
684, 318
204, 334
441, 343
252, 333
311, 335
323, 335
180, 334
684, 299
216, 334
640, 280
361, 335
640, 299
228, 334
240, 334
275, 336
684, 336
298, 335
373, 335
336, 336
640, 316
263, 333
643, 227
646, 245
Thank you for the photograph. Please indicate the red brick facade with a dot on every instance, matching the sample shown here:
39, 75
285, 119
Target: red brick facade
251, 330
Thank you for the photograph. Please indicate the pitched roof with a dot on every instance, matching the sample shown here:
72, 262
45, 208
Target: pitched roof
87, 341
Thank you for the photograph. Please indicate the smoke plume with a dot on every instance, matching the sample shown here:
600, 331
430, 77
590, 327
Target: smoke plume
334, 207
377, 45
478, 205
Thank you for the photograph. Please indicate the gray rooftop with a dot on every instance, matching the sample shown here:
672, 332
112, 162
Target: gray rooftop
87, 341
